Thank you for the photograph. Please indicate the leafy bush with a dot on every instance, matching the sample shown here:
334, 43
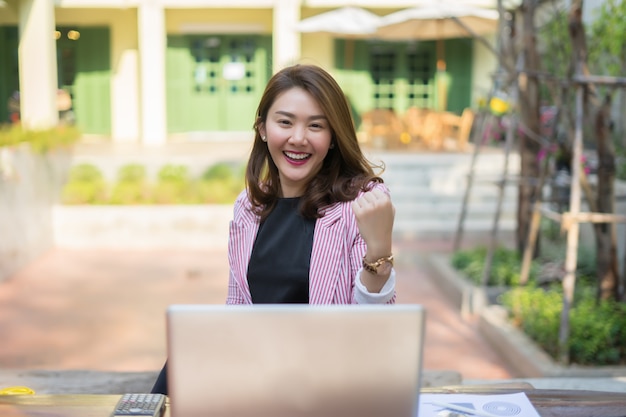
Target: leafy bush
597, 331
85, 186
173, 185
537, 312
41, 141
219, 171
505, 268
132, 173
598, 334
131, 186
219, 184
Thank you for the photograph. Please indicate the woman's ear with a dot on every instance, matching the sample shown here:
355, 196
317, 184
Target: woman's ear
260, 127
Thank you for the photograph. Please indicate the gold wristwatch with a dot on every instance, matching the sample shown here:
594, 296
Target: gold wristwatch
375, 267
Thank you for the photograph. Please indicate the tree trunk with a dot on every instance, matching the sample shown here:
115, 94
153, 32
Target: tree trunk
606, 250
620, 123
529, 116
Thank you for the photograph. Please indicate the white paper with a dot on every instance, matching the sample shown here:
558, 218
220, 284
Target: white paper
491, 405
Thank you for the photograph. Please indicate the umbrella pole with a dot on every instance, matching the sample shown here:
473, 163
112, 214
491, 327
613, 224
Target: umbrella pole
441, 80
349, 53
441, 59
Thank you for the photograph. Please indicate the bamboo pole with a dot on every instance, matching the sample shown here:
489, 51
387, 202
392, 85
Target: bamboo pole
510, 135
478, 142
571, 255
535, 222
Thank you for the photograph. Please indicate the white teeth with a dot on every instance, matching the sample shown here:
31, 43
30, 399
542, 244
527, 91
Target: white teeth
298, 156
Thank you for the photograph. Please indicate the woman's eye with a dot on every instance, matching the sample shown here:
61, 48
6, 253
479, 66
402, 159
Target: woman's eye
284, 122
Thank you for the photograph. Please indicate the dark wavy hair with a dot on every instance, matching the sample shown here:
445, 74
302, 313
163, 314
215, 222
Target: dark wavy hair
345, 170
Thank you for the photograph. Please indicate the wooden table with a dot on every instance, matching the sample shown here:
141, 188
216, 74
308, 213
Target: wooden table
548, 402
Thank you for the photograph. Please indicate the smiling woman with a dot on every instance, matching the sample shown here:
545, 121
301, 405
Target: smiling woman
314, 223
306, 148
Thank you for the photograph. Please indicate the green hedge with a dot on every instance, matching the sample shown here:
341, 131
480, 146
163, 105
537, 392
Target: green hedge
218, 184
597, 330
40, 141
505, 268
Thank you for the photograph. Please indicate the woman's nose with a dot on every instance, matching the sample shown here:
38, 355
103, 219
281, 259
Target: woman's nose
298, 135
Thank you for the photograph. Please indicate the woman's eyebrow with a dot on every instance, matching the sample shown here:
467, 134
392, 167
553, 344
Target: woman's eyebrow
293, 116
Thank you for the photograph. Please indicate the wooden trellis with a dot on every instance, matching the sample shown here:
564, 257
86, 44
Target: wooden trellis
570, 220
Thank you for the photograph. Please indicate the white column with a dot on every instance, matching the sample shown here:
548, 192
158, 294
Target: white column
125, 123
152, 44
37, 64
286, 39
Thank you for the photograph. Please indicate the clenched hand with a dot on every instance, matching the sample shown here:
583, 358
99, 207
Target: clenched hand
374, 214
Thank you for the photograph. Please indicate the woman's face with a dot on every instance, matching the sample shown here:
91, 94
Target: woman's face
298, 138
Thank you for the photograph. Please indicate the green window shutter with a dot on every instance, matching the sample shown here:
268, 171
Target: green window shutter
92, 84
458, 55
214, 82
9, 72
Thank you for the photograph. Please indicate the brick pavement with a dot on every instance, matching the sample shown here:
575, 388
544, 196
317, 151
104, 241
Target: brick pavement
104, 309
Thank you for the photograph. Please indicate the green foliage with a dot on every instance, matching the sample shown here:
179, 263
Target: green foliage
215, 192
219, 184
132, 173
555, 45
85, 173
505, 268
171, 173
131, 186
537, 312
173, 185
608, 54
597, 331
85, 186
219, 171
606, 44
40, 141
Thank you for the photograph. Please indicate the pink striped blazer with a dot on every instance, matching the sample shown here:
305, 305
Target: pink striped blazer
338, 249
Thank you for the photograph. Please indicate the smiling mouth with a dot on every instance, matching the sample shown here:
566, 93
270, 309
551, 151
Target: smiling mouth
297, 156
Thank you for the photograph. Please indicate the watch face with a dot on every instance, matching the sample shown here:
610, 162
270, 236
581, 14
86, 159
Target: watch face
381, 266
385, 268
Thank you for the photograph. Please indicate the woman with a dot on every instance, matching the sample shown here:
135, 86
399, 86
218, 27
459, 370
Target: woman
314, 224
313, 212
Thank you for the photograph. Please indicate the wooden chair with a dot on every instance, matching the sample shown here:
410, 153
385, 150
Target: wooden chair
456, 128
382, 127
432, 131
424, 126
414, 119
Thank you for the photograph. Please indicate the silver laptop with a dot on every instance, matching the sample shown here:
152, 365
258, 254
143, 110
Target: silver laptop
294, 360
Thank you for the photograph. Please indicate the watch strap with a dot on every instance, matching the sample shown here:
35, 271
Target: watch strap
373, 266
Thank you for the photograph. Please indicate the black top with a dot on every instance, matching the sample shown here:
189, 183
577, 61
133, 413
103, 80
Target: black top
278, 271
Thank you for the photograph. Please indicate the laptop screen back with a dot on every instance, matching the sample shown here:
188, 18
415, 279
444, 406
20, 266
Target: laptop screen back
293, 360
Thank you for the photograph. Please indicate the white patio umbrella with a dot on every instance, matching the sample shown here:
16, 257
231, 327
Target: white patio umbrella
442, 20
345, 22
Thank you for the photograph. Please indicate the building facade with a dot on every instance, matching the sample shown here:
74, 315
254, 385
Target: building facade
148, 71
